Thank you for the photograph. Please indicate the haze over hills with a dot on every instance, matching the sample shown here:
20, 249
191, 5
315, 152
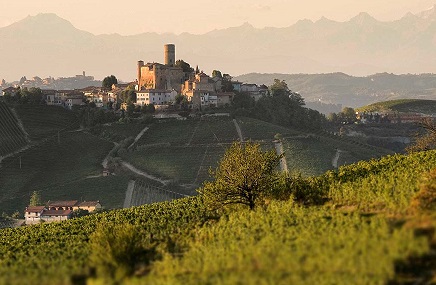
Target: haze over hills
46, 45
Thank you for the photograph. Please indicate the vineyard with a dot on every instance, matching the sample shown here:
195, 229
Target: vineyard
42, 121
67, 166
184, 151
12, 137
367, 231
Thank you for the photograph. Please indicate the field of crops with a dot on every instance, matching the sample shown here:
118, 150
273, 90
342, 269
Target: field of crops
42, 121
12, 138
60, 169
362, 234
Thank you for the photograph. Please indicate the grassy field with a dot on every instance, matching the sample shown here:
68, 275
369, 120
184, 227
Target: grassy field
427, 107
12, 137
60, 171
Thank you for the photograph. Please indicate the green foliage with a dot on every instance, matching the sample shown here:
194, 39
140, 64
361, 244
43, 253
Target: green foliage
425, 198
35, 199
388, 183
217, 73
108, 81
117, 251
67, 247
245, 175
186, 67
289, 244
280, 243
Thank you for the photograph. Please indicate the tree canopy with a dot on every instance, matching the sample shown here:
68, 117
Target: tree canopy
245, 175
186, 67
108, 81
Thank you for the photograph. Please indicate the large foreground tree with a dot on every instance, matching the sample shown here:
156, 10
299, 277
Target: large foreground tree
245, 175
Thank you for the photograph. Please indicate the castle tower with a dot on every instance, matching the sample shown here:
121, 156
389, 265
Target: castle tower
169, 54
140, 65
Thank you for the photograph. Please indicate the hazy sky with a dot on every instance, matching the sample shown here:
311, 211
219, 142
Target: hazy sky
136, 16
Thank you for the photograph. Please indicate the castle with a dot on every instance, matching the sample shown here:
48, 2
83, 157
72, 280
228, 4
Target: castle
159, 76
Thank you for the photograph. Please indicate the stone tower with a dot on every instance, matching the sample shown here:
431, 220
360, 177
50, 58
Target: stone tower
169, 54
140, 65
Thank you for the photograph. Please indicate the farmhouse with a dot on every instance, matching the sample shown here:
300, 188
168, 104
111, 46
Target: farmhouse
57, 211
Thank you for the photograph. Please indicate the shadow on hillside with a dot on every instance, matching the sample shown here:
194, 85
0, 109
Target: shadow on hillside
418, 269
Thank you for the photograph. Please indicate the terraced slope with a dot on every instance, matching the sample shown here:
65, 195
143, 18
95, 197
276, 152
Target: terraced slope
12, 136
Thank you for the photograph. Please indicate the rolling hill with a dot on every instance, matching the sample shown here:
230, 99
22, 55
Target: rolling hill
351, 91
426, 107
68, 164
366, 232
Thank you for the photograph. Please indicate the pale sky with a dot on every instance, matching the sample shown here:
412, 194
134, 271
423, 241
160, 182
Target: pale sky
130, 17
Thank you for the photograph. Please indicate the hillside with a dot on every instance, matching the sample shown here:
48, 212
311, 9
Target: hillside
352, 91
183, 151
366, 232
12, 137
426, 107
172, 155
46, 44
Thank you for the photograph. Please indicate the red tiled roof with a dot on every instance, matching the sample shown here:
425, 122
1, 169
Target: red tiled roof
62, 203
34, 209
57, 213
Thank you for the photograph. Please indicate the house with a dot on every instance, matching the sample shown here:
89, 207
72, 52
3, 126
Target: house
74, 205
89, 206
32, 214
55, 215
10, 90
156, 97
57, 211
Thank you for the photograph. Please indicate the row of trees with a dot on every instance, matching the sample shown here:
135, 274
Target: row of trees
25, 95
282, 106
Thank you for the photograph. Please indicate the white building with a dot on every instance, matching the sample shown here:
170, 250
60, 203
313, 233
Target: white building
155, 97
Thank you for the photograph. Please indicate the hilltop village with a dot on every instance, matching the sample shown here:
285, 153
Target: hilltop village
157, 84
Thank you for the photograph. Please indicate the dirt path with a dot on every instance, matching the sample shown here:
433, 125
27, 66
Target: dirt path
193, 133
138, 137
336, 158
20, 124
238, 129
129, 194
279, 150
106, 159
142, 173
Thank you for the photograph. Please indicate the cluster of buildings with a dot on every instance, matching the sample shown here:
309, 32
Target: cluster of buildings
159, 84
156, 83
57, 211
390, 117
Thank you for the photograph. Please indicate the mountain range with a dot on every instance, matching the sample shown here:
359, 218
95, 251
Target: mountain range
46, 44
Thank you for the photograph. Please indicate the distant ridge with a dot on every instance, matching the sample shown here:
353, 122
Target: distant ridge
46, 44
